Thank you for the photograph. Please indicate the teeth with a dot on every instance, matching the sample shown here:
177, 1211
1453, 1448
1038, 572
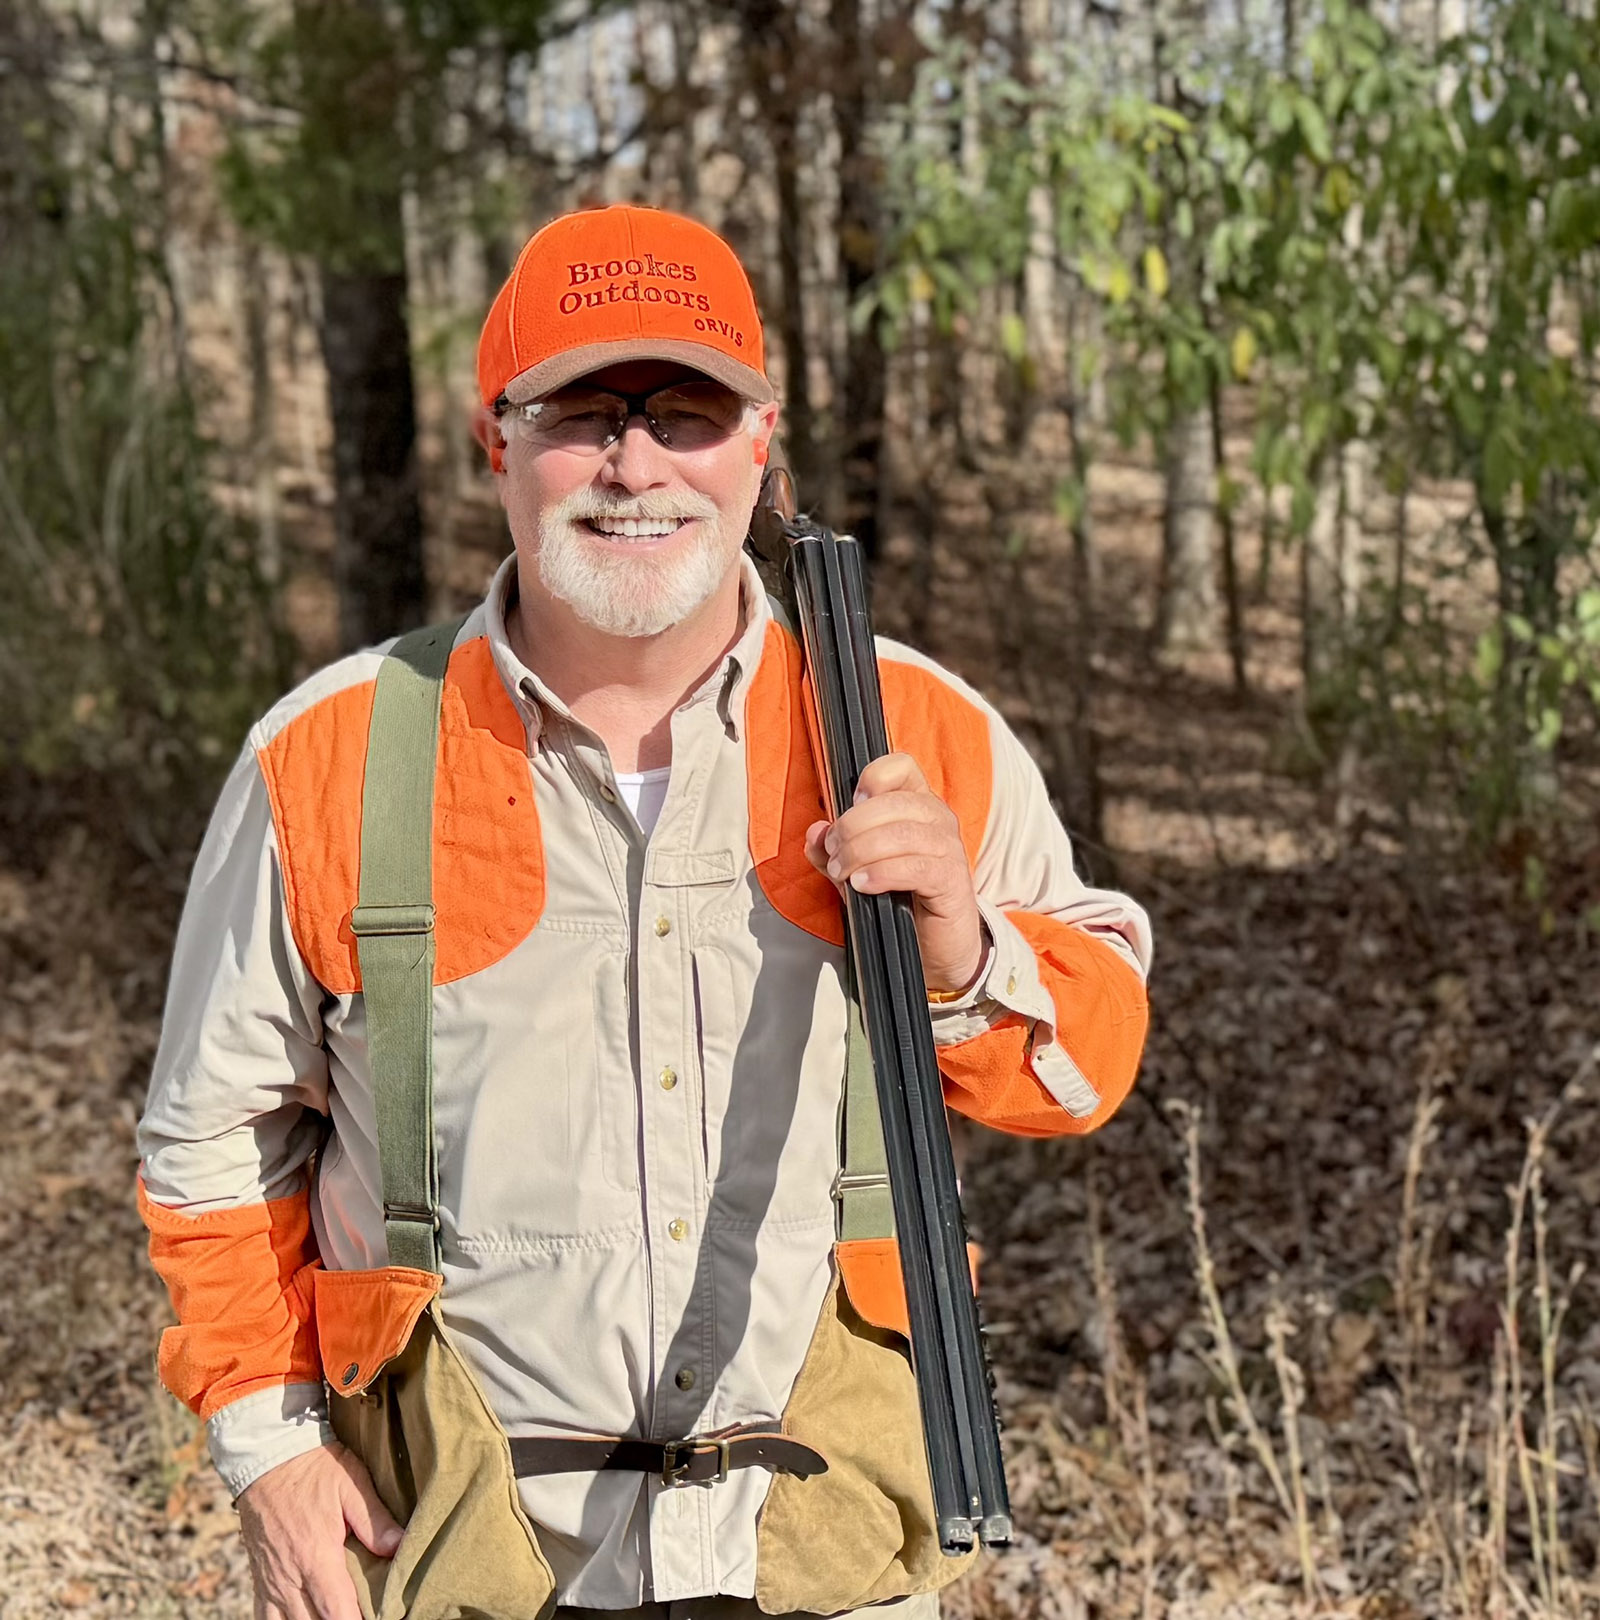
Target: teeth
637, 528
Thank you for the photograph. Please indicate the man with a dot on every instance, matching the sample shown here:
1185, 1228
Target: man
638, 1034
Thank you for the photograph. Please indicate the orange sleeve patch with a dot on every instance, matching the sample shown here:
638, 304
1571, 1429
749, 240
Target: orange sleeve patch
240, 1281
365, 1318
488, 857
1101, 1016
875, 1284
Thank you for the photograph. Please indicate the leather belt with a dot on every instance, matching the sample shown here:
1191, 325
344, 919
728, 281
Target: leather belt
690, 1461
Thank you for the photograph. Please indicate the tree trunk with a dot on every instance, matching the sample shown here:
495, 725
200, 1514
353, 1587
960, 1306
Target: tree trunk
255, 301
1041, 313
772, 69
685, 37
799, 419
859, 413
353, 80
1321, 582
1077, 742
377, 560
1230, 546
1186, 610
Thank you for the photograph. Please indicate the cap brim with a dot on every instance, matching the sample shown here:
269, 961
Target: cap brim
570, 364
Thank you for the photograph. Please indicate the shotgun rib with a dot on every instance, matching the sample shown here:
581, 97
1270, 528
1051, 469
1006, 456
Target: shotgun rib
954, 1385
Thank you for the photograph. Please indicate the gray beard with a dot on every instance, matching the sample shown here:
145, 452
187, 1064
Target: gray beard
631, 595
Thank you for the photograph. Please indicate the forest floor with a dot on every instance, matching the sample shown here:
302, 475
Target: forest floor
1257, 1349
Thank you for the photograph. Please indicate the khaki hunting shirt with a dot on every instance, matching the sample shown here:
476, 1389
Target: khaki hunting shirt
635, 1102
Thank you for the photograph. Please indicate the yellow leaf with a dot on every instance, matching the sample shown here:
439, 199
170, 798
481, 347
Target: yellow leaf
1242, 352
1156, 276
1119, 283
920, 285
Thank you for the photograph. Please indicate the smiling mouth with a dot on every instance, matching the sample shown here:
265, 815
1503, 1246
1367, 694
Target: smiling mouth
634, 528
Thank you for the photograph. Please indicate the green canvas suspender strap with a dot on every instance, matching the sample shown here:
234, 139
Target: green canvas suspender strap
865, 1208
393, 927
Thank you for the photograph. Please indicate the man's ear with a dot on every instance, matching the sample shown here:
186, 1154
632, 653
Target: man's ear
766, 425
486, 430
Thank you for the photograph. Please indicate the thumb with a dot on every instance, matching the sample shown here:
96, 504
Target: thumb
368, 1519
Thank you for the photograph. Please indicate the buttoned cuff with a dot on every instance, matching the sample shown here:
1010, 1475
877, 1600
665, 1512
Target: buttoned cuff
259, 1431
1012, 986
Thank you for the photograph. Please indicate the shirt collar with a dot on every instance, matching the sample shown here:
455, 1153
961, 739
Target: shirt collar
726, 684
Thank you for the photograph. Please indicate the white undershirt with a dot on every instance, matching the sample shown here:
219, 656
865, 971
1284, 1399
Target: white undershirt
644, 792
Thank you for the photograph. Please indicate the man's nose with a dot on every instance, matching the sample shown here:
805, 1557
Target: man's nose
637, 461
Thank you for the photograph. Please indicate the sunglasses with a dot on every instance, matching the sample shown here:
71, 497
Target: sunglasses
683, 416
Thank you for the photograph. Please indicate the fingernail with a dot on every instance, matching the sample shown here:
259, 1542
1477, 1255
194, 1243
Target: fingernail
830, 842
858, 880
861, 793
834, 870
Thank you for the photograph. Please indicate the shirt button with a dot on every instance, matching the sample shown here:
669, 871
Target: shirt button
677, 1230
669, 1078
684, 1378
663, 927
1011, 984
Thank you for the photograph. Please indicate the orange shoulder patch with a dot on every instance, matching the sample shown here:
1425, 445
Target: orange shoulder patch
488, 858
946, 735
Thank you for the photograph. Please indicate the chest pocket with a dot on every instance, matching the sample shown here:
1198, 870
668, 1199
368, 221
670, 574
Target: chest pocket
536, 1107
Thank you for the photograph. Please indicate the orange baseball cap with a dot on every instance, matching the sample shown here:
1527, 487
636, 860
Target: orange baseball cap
610, 284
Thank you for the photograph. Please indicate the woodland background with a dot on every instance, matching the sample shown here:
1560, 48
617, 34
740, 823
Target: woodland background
1215, 386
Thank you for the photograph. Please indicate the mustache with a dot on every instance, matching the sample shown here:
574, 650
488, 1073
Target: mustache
656, 504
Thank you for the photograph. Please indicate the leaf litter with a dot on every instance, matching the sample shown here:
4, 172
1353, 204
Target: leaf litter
1335, 1405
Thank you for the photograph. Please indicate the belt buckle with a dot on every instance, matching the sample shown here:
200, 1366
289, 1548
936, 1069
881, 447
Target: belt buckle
674, 1471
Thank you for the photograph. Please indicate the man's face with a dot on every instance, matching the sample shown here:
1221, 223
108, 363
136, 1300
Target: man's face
635, 537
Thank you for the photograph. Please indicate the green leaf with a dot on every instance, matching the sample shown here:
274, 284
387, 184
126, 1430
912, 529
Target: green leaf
1489, 657
1013, 337
1071, 499
1314, 127
1535, 880
1500, 464
1242, 353
1302, 505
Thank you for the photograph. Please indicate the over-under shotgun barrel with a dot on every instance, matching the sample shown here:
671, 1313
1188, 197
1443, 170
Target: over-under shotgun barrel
954, 1385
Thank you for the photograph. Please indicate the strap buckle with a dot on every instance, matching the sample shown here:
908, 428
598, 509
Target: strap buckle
420, 1213
367, 921
859, 1181
676, 1455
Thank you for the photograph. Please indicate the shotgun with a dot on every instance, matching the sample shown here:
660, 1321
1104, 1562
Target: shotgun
821, 578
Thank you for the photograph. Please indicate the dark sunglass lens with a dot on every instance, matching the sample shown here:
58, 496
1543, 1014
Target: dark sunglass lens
587, 420
691, 416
